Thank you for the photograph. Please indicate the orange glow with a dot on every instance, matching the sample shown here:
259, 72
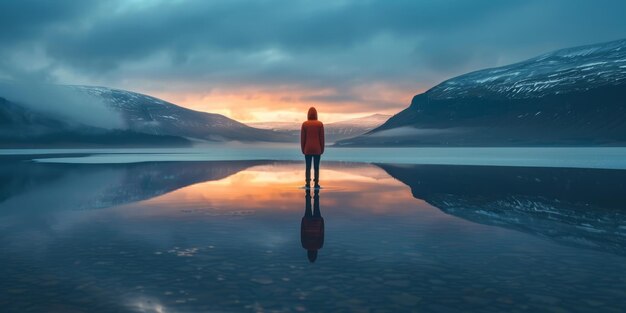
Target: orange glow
290, 105
270, 188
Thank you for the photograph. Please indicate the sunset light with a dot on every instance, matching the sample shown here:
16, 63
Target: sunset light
374, 156
250, 104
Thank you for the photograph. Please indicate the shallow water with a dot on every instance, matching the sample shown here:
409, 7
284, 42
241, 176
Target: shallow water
225, 236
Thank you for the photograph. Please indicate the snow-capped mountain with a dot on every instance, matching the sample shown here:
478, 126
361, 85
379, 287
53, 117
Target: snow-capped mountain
578, 207
62, 116
151, 115
333, 131
21, 126
562, 71
573, 96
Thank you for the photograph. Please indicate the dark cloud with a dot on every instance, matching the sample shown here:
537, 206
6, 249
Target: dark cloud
294, 26
25, 20
155, 45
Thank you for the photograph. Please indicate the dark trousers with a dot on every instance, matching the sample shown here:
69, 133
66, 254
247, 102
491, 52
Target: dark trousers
316, 166
315, 212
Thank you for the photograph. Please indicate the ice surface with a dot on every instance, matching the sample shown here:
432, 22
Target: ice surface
607, 158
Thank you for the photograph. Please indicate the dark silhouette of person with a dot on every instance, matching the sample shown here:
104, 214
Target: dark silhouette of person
312, 226
312, 145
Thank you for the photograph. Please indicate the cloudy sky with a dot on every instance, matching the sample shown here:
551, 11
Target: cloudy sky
270, 60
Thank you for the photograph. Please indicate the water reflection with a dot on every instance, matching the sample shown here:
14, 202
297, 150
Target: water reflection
580, 207
312, 226
223, 236
49, 187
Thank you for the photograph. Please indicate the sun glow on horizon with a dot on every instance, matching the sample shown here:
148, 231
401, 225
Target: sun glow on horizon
252, 105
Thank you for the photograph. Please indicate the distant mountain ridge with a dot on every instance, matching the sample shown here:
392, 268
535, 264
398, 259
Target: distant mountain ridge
333, 131
573, 96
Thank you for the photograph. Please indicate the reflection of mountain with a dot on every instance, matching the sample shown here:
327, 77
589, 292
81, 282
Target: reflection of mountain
87, 186
583, 207
571, 96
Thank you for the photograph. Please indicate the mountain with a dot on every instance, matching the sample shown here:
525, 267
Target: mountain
333, 131
572, 96
150, 115
578, 207
147, 121
22, 127
289, 127
354, 127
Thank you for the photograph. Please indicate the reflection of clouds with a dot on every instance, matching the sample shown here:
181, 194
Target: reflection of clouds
148, 305
250, 197
245, 197
215, 212
162, 236
293, 172
273, 239
74, 190
275, 187
187, 252
32, 234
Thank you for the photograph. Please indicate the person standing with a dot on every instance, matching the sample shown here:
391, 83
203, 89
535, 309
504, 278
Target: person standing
312, 145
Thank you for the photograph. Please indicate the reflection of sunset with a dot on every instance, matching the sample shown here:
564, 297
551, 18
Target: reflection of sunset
269, 188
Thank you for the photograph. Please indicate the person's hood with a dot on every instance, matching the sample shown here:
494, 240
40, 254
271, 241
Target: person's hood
312, 115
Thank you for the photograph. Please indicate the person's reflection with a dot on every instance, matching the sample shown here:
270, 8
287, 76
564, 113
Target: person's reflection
312, 226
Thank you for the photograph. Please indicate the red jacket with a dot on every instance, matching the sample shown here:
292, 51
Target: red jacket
312, 233
312, 134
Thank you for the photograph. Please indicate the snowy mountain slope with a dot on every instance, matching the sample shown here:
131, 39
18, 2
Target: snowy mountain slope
333, 131
151, 115
567, 70
21, 126
573, 96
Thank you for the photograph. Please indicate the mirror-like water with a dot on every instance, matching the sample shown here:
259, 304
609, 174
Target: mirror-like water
240, 236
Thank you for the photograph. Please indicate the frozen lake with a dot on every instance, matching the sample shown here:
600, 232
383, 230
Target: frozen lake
224, 230
607, 158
